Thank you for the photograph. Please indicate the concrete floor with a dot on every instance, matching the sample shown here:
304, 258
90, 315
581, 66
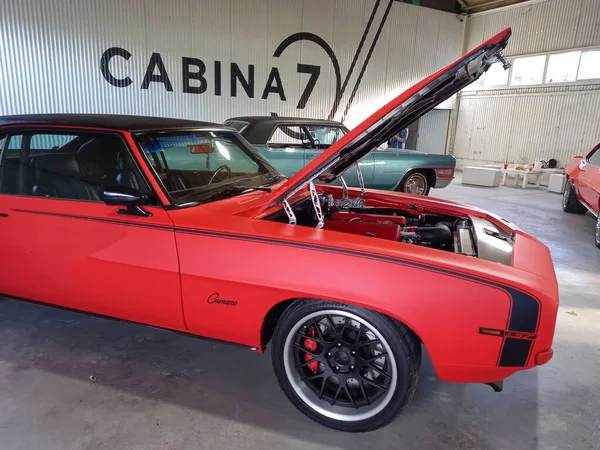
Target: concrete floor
69, 381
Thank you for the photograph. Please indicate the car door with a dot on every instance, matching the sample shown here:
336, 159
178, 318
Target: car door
62, 245
351, 175
288, 159
589, 180
284, 149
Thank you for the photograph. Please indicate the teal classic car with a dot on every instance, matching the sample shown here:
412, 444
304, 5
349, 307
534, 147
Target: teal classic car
290, 143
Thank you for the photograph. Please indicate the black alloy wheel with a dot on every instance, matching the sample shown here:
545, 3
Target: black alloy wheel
345, 367
570, 203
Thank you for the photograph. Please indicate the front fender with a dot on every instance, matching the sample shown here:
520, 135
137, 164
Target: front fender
445, 309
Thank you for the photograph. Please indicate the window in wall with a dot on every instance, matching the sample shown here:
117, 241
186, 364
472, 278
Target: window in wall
562, 67
589, 67
496, 76
528, 70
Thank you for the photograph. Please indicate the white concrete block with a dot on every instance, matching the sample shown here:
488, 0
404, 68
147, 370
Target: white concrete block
481, 176
556, 183
546, 175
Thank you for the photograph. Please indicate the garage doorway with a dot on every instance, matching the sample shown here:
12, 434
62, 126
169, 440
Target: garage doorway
430, 132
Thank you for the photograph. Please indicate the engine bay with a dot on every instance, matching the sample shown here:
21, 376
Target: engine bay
465, 235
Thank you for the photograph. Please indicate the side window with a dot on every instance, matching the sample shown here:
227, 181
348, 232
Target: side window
49, 142
315, 137
595, 158
237, 124
67, 166
285, 136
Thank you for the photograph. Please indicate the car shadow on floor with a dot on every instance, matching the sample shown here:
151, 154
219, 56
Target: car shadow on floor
239, 385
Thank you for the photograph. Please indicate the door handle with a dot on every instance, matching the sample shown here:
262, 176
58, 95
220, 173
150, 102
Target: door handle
3, 215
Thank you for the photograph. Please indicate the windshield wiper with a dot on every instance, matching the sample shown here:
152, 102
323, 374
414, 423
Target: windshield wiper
275, 178
251, 188
238, 189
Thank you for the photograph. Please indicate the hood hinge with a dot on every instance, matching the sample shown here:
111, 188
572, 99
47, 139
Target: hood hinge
289, 212
346, 202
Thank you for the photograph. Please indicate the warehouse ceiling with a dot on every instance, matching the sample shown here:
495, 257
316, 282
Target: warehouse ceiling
473, 6
463, 6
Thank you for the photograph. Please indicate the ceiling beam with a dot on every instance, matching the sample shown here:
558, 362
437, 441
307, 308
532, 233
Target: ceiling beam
480, 5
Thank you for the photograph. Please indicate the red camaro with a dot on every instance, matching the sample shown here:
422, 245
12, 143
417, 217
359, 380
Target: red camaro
582, 188
182, 225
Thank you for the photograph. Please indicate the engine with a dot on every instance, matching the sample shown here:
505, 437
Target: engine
470, 236
419, 229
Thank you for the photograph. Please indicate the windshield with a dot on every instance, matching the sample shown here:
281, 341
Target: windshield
312, 136
203, 166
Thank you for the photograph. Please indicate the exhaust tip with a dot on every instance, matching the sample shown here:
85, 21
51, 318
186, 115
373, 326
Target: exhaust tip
497, 386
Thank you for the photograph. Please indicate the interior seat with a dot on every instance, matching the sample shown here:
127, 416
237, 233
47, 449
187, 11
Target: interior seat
128, 173
97, 161
58, 176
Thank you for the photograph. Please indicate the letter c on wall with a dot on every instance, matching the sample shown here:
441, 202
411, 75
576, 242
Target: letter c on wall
105, 69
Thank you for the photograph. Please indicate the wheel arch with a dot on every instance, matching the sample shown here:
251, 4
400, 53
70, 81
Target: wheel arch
572, 179
427, 171
274, 314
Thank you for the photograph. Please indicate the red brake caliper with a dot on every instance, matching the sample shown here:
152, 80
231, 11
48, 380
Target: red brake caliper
311, 345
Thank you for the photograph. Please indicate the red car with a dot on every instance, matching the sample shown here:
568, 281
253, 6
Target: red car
582, 188
182, 225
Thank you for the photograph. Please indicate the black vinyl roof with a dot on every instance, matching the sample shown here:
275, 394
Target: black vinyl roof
260, 128
108, 121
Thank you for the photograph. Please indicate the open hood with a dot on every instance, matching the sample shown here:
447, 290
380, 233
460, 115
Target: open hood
397, 114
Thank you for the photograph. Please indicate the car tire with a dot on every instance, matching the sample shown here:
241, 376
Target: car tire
597, 233
415, 182
570, 203
345, 367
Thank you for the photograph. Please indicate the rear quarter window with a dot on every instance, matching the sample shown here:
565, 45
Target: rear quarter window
595, 158
237, 124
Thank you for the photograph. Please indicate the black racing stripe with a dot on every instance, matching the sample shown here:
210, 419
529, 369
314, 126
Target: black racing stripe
521, 303
219, 234
97, 219
524, 314
515, 352
524, 310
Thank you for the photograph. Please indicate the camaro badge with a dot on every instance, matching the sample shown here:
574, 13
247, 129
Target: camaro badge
214, 298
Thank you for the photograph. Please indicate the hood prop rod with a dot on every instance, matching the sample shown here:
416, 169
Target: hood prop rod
361, 181
344, 189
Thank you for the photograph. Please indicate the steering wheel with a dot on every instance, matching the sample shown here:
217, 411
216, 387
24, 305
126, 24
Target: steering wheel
218, 169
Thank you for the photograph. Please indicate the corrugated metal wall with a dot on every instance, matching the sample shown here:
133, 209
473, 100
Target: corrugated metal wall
527, 127
50, 54
433, 129
540, 25
522, 125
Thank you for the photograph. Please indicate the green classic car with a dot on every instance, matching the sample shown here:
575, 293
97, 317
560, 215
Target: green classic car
290, 143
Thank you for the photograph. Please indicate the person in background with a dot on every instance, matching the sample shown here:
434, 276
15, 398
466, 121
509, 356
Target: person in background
399, 139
